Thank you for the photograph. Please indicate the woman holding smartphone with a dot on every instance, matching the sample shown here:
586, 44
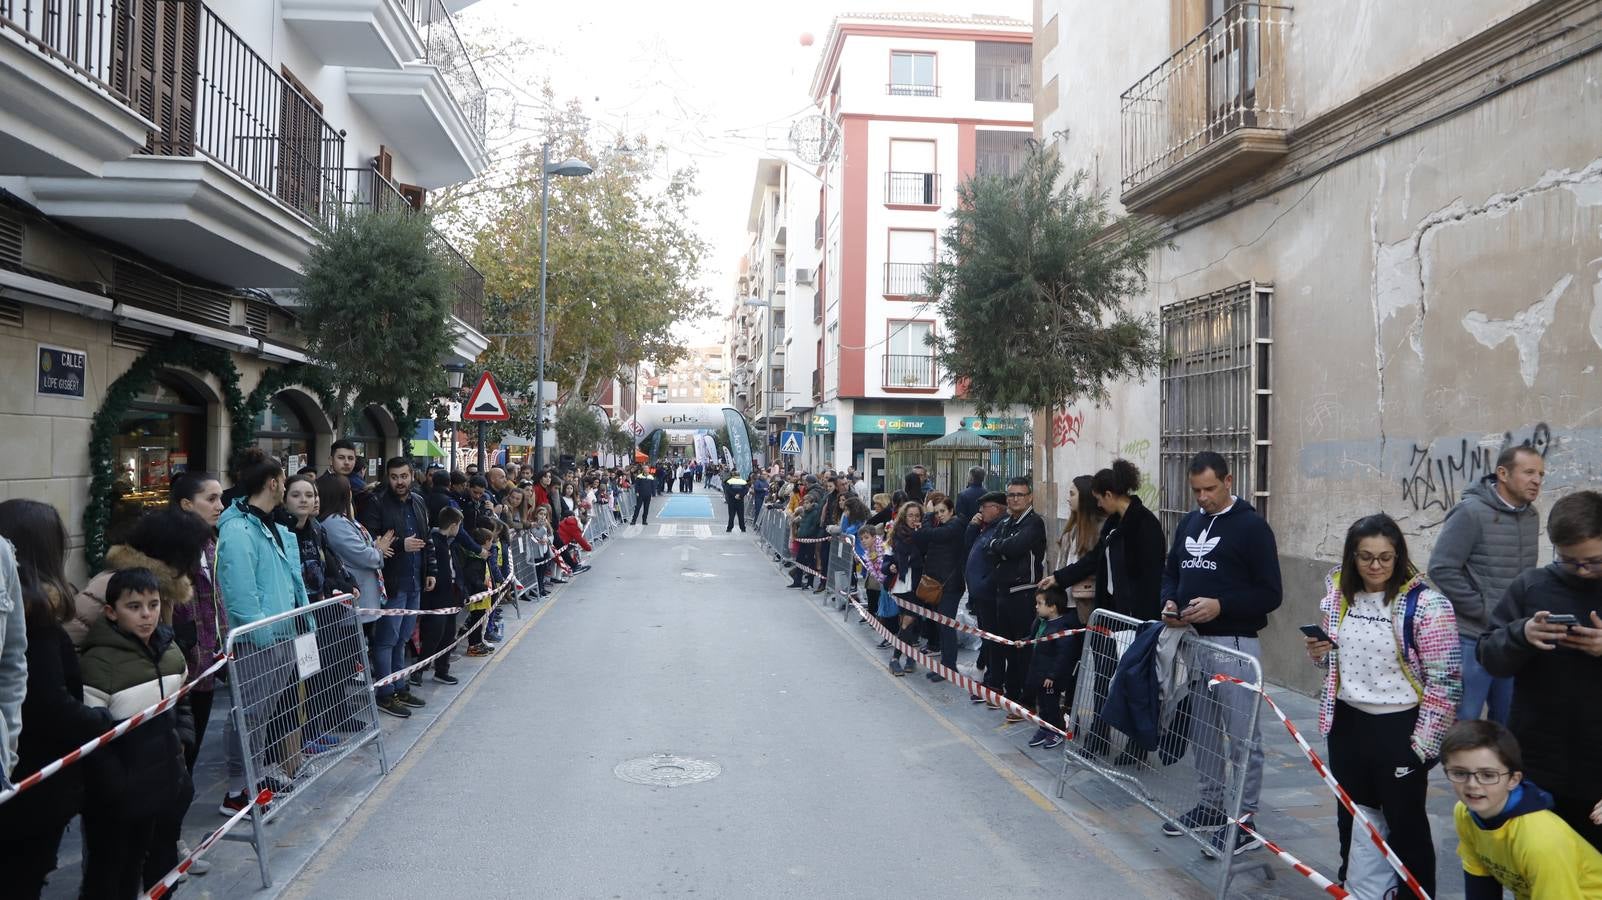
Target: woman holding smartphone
1394, 678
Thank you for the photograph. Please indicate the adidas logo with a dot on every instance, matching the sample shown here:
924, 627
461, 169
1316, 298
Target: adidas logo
1198, 550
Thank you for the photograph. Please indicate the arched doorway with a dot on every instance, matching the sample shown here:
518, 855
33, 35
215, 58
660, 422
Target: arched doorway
284, 431
371, 434
162, 435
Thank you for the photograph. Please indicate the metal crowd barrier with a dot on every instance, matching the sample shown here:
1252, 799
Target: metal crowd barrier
774, 526
526, 556
625, 505
842, 566
1214, 729
302, 702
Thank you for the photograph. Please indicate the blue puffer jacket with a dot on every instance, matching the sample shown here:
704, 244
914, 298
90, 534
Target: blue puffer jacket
257, 576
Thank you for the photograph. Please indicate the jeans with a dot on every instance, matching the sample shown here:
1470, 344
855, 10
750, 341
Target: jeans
1218, 726
390, 637
1481, 689
257, 679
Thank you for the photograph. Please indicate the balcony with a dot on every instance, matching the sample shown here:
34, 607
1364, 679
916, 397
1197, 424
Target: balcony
238, 172
356, 33
65, 108
1213, 114
906, 280
912, 189
912, 90
438, 103
909, 372
468, 302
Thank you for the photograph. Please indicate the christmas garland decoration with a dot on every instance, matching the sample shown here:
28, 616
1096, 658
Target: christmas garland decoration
242, 433
178, 352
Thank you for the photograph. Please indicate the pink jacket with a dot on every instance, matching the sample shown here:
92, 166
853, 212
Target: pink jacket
1435, 668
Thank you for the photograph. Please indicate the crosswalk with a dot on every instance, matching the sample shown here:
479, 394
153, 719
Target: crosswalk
676, 531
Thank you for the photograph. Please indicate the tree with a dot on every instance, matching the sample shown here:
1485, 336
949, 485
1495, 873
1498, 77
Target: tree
578, 429
619, 442
1032, 284
623, 265
375, 305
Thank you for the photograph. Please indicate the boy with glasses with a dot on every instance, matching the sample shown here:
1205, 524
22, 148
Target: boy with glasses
1508, 837
1546, 635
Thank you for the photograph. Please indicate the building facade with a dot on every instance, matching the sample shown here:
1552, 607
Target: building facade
1386, 262
917, 104
165, 168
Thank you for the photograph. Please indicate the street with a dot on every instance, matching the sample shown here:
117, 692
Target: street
836, 780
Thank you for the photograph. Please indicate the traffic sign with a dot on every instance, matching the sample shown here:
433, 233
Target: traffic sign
485, 403
790, 442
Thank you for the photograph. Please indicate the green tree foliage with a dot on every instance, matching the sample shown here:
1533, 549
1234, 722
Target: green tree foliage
375, 307
618, 441
1032, 283
578, 428
623, 264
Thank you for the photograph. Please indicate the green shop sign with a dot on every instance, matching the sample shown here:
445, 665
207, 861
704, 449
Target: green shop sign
935, 425
821, 424
994, 426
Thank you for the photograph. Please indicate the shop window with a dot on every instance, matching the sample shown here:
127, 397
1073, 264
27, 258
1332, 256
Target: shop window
368, 436
282, 431
161, 436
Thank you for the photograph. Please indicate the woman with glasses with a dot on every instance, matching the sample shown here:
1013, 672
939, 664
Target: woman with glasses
1394, 678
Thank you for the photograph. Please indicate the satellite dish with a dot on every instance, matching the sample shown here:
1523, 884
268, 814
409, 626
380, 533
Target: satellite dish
814, 138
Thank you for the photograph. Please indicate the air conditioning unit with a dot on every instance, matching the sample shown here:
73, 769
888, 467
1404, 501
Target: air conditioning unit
803, 275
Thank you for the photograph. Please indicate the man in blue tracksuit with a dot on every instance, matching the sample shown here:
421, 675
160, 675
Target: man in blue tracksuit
1222, 577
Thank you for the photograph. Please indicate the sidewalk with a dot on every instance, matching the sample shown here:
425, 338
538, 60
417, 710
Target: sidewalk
313, 814
1298, 811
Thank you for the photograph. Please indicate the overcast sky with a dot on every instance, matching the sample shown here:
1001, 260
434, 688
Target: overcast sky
718, 82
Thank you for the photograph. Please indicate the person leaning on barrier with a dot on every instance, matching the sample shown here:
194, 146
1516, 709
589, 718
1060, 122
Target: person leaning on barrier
408, 572
324, 575
1557, 667
33, 577
258, 576
1222, 578
1390, 694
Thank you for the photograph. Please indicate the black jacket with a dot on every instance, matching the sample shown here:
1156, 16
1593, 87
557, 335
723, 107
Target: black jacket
1555, 716
1053, 659
908, 564
447, 571
968, 501
644, 486
1134, 544
942, 547
55, 723
320, 568
1018, 549
388, 513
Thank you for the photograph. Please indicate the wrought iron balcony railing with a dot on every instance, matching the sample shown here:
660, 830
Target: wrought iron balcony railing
443, 48
912, 188
906, 279
908, 370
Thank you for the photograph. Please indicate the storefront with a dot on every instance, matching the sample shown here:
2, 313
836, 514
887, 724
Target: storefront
367, 433
161, 436
890, 446
820, 431
1012, 454
285, 434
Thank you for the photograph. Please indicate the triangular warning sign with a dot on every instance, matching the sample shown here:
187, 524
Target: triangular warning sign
791, 444
485, 403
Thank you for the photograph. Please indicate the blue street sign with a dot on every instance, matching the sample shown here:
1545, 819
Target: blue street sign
791, 442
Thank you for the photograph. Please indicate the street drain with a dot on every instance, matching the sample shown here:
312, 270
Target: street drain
667, 770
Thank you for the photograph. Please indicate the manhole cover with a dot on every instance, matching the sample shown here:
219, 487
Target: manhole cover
667, 770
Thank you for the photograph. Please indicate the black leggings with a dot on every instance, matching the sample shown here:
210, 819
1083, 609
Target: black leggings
1365, 752
200, 707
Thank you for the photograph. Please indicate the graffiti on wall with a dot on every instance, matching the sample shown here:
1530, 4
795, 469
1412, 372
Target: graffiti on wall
1066, 427
1438, 472
1139, 453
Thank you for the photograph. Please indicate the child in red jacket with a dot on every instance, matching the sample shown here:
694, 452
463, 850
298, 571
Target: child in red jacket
572, 537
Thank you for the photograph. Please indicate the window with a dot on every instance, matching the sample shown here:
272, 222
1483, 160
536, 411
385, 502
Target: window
1215, 392
1001, 71
908, 360
1000, 152
778, 268
912, 252
776, 381
912, 74
912, 179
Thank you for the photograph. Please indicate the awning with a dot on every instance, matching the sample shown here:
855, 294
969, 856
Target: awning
426, 447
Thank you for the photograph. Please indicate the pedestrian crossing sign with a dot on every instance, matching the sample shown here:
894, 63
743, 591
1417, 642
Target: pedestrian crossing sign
790, 442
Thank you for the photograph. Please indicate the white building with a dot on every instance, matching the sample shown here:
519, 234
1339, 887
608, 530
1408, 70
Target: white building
164, 168
920, 103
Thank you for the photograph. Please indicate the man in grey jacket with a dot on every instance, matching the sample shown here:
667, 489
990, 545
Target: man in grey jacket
1486, 541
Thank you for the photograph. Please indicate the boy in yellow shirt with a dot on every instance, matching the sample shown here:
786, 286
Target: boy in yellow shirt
1507, 835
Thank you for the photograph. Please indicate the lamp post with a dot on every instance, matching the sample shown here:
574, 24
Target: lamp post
453, 378
569, 168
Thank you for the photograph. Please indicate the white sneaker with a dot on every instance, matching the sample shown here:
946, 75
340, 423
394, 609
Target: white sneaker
200, 866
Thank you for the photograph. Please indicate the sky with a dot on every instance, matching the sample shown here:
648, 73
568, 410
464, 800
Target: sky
717, 82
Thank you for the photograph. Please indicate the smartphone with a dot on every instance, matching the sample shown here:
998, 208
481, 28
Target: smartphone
1317, 633
1174, 614
1561, 619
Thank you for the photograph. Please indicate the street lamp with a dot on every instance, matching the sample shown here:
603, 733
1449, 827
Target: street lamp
454, 373
569, 168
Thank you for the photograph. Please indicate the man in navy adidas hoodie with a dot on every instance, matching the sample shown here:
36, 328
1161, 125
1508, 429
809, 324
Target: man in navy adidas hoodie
1222, 578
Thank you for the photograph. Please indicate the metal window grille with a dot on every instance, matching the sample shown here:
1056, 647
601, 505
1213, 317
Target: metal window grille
1216, 392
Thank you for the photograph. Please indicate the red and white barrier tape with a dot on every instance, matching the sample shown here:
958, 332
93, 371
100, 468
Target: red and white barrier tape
483, 621
449, 611
160, 888
1306, 871
1335, 786
117, 731
949, 622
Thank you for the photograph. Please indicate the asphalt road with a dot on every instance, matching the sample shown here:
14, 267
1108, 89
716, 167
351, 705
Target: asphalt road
836, 779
